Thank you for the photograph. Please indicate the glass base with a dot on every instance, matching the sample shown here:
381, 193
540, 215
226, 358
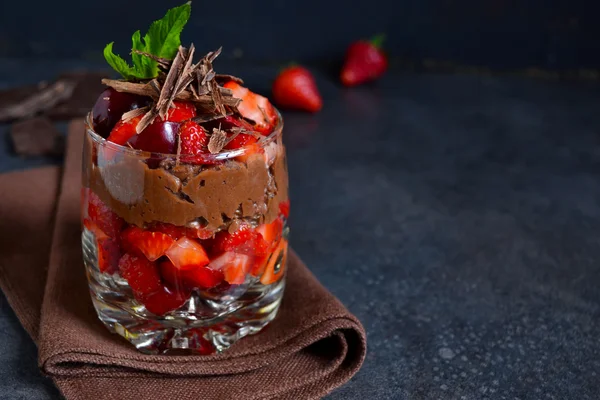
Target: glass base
209, 321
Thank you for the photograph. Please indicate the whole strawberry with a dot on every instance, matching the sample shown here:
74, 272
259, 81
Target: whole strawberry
364, 62
295, 88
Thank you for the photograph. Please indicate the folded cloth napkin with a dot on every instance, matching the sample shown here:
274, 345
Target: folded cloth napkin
313, 346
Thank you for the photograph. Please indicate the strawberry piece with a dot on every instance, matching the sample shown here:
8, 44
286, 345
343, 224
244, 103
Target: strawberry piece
254, 107
92, 227
164, 300
241, 140
181, 112
109, 254
153, 245
271, 233
197, 277
141, 274
245, 240
364, 62
234, 266
187, 254
284, 208
194, 141
276, 264
295, 88
105, 218
124, 130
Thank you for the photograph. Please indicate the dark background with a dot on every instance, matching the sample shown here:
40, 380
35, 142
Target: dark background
548, 34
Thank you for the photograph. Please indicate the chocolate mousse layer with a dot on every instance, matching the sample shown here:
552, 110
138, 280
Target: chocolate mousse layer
212, 195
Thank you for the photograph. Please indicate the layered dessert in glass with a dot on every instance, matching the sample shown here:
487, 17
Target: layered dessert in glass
184, 207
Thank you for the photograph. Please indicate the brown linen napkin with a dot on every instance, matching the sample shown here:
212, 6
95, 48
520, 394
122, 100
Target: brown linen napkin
312, 347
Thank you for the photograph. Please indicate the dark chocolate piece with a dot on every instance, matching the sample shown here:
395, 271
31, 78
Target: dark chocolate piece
36, 137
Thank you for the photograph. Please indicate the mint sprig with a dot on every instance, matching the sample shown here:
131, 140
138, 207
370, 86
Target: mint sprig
162, 40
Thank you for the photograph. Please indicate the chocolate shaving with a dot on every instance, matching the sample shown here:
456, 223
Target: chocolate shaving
209, 117
162, 62
129, 115
40, 101
146, 120
167, 94
36, 137
217, 141
224, 78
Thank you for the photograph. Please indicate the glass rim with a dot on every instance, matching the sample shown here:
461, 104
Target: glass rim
223, 155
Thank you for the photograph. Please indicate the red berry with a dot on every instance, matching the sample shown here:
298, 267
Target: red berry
110, 106
284, 208
234, 266
198, 277
245, 240
271, 233
276, 264
295, 88
141, 274
241, 140
254, 107
187, 254
364, 62
158, 137
123, 131
181, 112
193, 138
177, 232
109, 253
153, 245
164, 300
105, 219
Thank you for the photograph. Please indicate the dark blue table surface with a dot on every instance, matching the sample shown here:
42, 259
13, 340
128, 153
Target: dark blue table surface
457, 216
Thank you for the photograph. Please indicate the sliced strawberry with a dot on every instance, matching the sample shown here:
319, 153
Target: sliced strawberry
92, 227
284, 208
153, 245
182, 111
241, 140
254, 107
276, 264
197, 277
109, 254
105, 218
124, 130
245, 240
141, 274
164, 300
234, 266
193, 138
271, 233
187, 254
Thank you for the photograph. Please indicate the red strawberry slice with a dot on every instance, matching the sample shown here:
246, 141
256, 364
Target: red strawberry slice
295, 88
187, 254
153, 245
276, 265
92, 227
109, 254
284, 208
254, 107
124, 130
182, 111
177, 232
164, 300
106, 219
234, 266
199, 277
271, 233
193, 138
141, 274
245, 240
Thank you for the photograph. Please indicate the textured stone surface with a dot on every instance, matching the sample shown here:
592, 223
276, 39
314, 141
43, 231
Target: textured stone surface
458, 217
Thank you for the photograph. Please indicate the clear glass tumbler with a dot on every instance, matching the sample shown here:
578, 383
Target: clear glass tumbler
183, 253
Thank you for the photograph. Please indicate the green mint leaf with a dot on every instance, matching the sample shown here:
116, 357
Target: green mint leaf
117, 62
146, 68
163, 37
162, 40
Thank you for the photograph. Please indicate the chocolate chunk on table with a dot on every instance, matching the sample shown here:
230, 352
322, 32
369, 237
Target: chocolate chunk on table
88, 86
36, 137
23, 105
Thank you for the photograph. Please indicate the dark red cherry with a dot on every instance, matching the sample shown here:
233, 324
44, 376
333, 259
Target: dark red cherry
110, 106
158, 137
